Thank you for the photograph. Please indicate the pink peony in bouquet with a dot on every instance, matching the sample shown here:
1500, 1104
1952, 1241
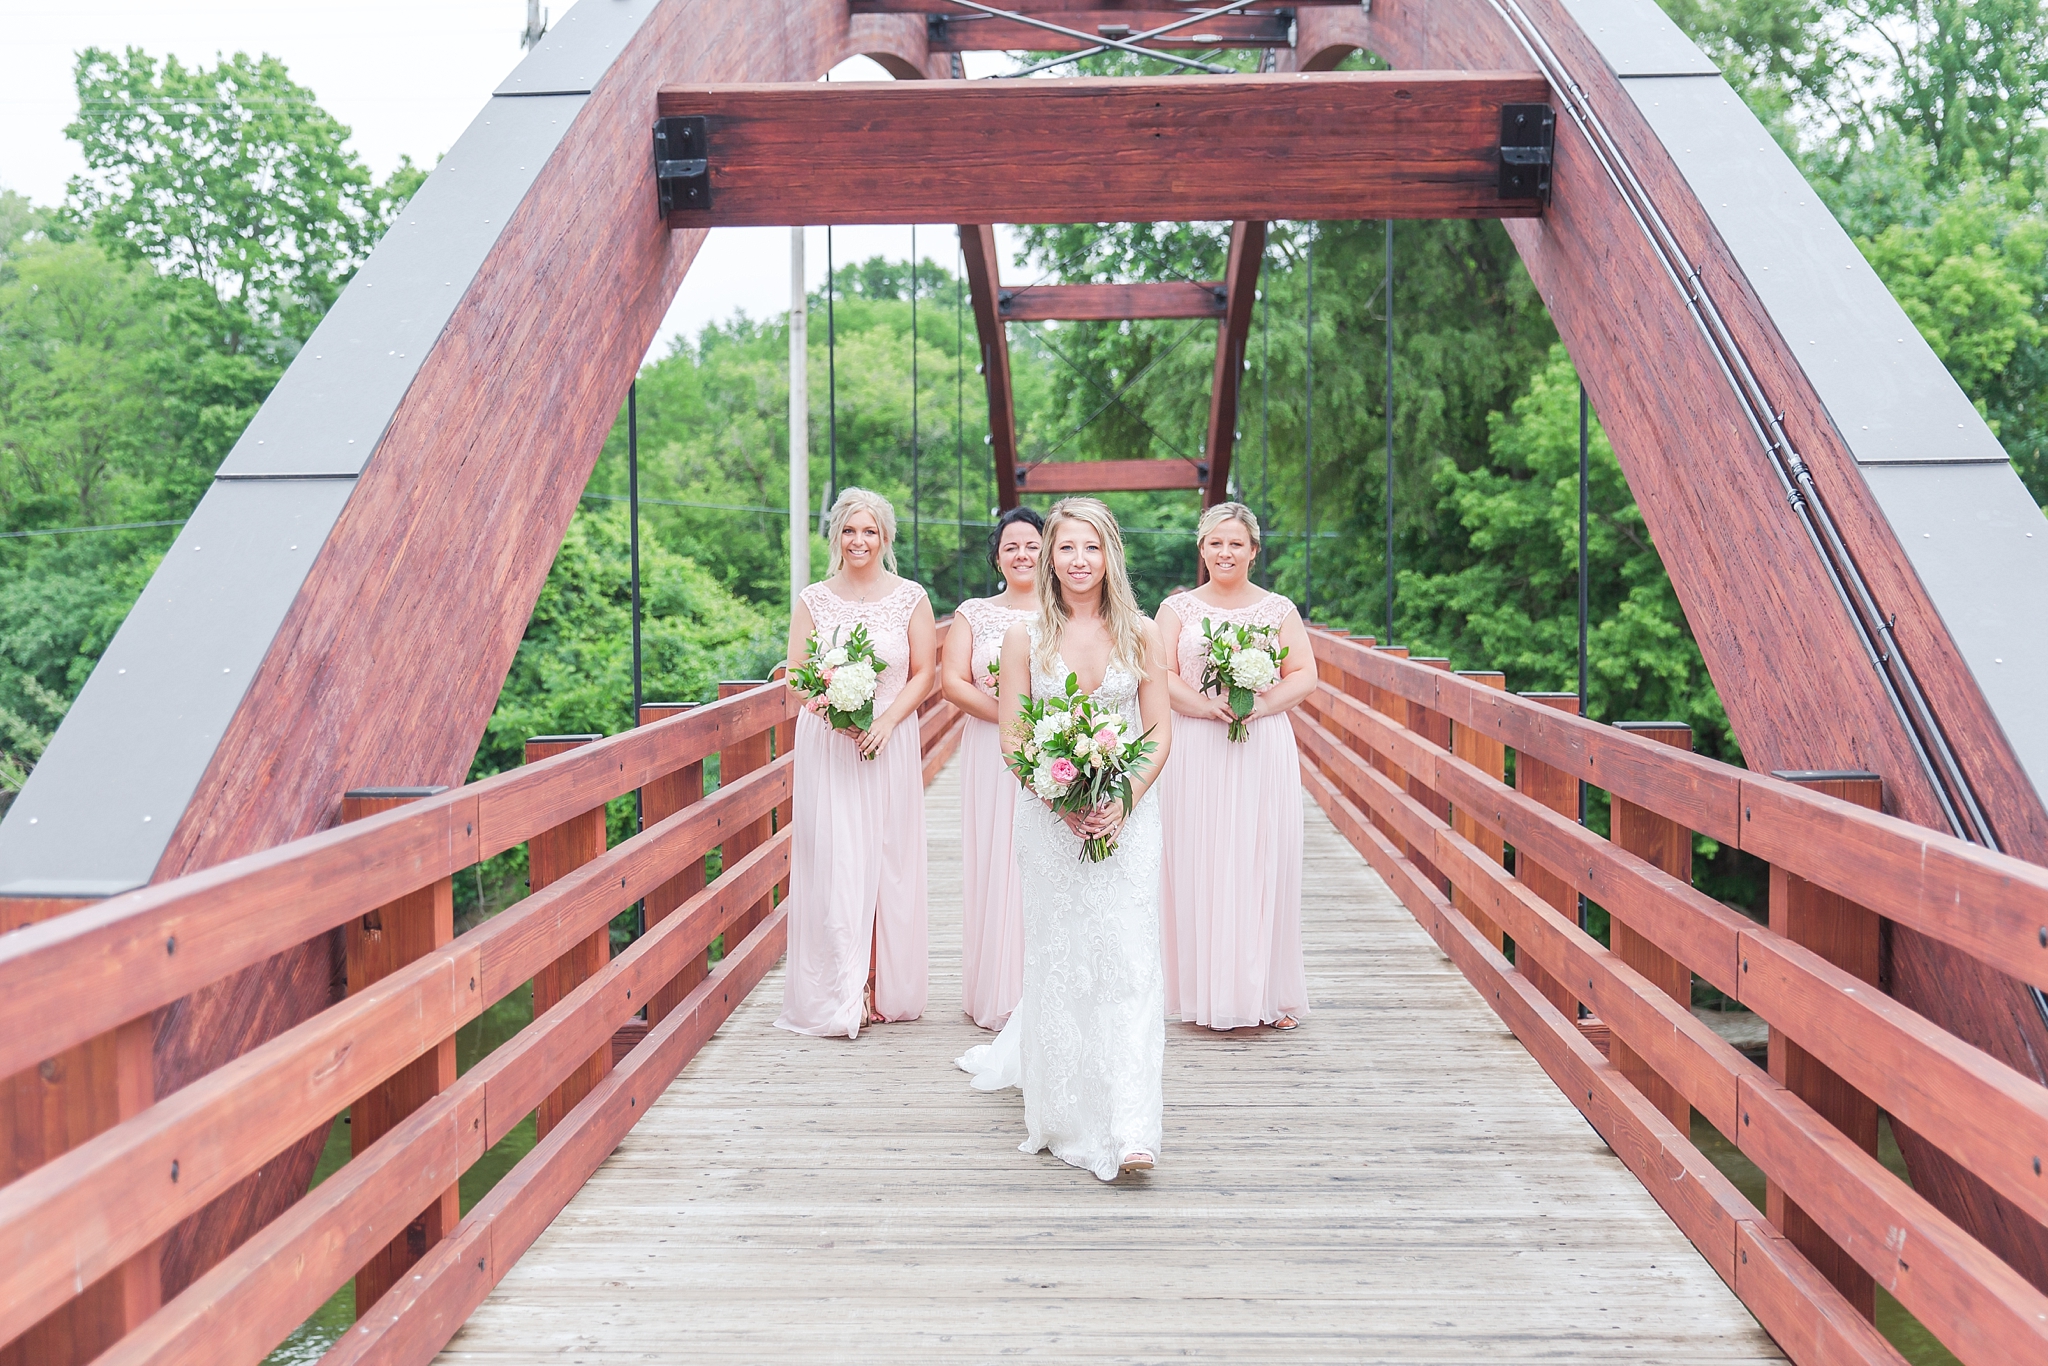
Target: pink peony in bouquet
1076, 756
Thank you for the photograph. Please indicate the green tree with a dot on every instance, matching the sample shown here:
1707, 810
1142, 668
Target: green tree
714, 433
573, 672
232, 176
80, 406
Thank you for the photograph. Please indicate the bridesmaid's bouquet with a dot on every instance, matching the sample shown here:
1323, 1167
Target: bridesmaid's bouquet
846, 676
1076, 756
1241, 662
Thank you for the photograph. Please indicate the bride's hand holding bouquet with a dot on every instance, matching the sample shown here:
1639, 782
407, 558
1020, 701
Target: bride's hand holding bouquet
1078, 759
839, 685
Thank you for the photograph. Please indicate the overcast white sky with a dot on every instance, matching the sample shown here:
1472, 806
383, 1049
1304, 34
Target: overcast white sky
407, 76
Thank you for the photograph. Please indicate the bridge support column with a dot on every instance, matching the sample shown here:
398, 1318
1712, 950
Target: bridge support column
550, 856
52, 1108
1491, 758
735, 762
1850, 937
659, 800
375, 946
1667, 844
1559, 791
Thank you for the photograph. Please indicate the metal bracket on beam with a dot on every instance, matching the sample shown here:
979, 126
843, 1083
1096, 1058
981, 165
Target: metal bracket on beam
682, 167
1528, 133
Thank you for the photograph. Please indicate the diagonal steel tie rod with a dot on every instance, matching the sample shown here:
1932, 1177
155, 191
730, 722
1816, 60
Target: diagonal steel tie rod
1126, 44
1130, 43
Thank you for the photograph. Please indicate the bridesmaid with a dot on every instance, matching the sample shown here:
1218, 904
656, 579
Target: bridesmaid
992, 932
856, 879
1231, 903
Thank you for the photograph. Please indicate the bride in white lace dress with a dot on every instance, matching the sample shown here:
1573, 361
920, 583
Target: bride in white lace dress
1087, 1041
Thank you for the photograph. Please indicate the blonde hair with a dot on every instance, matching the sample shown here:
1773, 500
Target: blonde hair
850, 501
1129, 641
1227, 512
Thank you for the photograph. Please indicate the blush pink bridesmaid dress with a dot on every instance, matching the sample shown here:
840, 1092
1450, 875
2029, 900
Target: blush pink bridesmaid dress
992, 893
856, 876
1230, 907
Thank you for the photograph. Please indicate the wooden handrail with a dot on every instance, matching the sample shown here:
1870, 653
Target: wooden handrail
1792, 1301
56, 1225
82, 974
244, 1306
1991, 905
1984, 1114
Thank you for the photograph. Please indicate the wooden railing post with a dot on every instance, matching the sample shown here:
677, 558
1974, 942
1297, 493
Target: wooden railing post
659, 800
376, 945
1490, 756
1559, 791
1667, 844
53, 1108
734, 762
785, 743
550, 856
1435, 727
1849, 936
1395, 707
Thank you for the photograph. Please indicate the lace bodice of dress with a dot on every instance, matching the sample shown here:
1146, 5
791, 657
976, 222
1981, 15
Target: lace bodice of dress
1119, 687
990, 621
1270, 610
888, 621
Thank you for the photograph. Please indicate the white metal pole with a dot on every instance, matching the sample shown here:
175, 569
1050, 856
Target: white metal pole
799, 424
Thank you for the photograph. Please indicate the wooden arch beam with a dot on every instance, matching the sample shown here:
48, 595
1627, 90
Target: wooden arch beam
984, 282
1241, 285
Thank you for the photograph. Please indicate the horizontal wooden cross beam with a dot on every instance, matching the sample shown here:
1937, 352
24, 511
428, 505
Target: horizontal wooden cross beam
1060, 11
1305, 146
1112, 303
984, 33
1108, 476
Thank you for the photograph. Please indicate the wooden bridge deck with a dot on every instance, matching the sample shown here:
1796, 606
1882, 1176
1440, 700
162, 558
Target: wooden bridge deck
1398, 1181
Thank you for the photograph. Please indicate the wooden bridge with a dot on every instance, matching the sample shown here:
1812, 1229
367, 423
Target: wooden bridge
1323, 1192
1433, 1168
225, 892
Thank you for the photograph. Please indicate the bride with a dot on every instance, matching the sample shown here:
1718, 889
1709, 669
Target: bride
1087, 1041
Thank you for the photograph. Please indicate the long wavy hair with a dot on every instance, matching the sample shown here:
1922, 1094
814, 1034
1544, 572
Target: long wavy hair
850, 501
1127, 625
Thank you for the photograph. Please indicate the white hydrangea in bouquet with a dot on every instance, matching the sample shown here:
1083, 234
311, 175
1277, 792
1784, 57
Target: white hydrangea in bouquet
845, 676
1076, 755
1240, 662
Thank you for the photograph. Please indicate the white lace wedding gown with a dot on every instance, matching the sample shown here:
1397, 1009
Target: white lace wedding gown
1088, 1040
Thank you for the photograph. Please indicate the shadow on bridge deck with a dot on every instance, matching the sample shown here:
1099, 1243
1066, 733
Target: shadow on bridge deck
1397, 1181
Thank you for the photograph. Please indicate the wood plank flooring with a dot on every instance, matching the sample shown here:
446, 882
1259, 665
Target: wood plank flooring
1397, 1181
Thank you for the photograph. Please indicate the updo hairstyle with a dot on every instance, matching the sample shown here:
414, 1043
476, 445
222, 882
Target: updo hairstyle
1228, 512
850, 501
1003, 523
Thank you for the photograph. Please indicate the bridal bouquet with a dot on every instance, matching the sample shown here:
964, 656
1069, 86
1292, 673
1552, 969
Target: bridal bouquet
1077, 755
1241, 663
846, 676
